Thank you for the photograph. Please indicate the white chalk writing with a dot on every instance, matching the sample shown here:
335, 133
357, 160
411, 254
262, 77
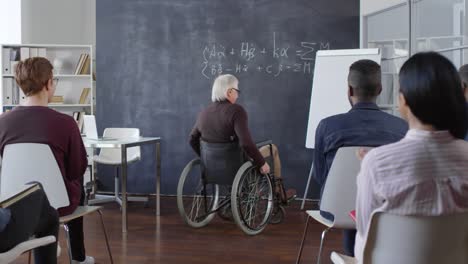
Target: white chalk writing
271, 59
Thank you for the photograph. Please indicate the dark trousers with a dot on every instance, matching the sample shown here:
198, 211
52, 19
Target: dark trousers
349, 235
32, 216
76, 235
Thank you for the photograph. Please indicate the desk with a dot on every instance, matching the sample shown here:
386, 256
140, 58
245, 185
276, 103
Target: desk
124, 144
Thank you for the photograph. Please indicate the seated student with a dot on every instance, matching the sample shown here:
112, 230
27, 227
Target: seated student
425, 173
30, 216
464, 79
364, 125
225, 121
34, 122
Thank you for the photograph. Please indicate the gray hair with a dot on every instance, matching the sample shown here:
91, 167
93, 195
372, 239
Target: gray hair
221, 85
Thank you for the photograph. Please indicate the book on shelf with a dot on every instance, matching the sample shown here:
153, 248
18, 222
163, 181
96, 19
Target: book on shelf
76, 115
7, 108
83, 64
15, 94
22, 96
33, 52
24, 53
42, 52
12, 197
57, 99
6, 61
15, 54
84, 95
14, 58
80, 121
12, 94
78, 65
86, 65
7, 91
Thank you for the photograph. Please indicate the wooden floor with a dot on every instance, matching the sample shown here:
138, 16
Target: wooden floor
168, 240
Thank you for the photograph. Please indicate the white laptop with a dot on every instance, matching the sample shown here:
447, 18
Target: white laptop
90, 129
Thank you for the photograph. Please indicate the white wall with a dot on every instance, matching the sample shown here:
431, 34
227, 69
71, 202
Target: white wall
371, 6
10, 22
58, 21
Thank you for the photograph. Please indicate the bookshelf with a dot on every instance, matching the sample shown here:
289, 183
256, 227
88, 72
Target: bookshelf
408, 27
72, 66
395, 52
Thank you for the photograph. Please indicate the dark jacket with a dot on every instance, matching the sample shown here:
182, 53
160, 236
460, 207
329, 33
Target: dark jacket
363, 125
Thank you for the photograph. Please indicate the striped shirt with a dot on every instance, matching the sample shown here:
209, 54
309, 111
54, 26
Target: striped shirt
425, 173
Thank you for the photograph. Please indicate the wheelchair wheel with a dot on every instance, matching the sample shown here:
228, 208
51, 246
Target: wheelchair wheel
195, 199
251, 199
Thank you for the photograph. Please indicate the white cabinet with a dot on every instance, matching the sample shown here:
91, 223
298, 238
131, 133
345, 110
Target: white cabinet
73, 67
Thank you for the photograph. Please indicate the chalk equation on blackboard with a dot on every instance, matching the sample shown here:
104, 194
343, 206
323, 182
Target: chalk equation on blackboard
274, 60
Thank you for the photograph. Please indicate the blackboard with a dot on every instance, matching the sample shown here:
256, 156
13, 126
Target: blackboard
156, 61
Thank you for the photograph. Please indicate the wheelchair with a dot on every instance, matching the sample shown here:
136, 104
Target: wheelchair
224, 181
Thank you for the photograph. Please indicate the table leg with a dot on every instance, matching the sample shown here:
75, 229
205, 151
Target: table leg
158, 177
124, 188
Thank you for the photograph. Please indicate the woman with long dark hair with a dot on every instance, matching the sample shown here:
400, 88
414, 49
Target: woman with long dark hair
425, 173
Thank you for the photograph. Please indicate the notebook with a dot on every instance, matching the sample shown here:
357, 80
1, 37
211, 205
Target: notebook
90, 128
26, 190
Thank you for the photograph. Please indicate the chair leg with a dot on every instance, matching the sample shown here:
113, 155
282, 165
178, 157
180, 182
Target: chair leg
298, 260
29, 257
105, 236
67, 235
321, 244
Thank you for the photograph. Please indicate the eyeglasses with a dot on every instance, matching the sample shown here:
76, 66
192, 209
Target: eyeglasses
237, 90
55, 81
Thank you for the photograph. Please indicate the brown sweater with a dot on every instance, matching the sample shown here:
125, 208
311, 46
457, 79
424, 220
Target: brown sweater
223, 122
38, 124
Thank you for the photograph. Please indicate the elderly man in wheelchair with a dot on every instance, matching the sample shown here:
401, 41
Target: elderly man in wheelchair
231, 174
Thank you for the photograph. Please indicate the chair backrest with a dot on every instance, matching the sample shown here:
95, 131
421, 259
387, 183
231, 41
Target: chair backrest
220, 161
339, 194
27, 162
133, 153
417, 239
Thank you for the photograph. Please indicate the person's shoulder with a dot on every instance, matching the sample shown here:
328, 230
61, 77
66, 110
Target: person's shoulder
333, 121
397, 122
236, 109
5, 116
62, 116
16, 113
386, 154
393, 118
335, 118
64, 119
